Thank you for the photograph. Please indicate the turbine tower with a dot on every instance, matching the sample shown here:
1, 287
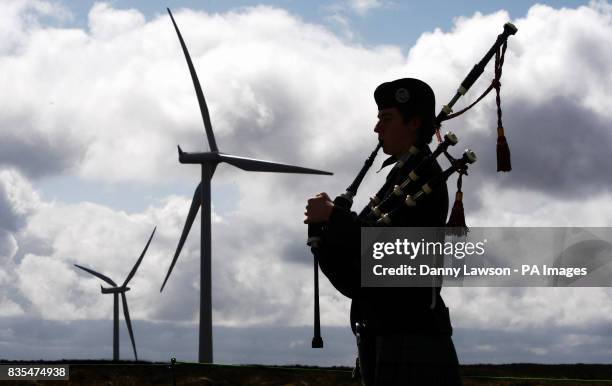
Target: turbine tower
116, 291
201, 198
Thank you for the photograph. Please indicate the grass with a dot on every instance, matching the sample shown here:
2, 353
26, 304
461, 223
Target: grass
106, 372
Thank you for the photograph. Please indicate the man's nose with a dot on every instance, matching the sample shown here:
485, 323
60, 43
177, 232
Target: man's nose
378, 128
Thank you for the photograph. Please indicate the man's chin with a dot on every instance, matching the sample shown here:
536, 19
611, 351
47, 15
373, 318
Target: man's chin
384, 147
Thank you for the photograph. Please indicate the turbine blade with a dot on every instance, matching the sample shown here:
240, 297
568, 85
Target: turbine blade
255, 165
96, 274
133, 271
126, 314
193, 211
198, 89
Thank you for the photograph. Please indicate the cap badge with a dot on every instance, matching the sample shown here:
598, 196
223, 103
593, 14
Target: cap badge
402, 95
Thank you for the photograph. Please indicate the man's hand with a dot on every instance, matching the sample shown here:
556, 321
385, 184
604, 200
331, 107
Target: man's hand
319, 209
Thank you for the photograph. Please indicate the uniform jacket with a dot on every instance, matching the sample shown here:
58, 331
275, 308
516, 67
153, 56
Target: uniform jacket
387, 310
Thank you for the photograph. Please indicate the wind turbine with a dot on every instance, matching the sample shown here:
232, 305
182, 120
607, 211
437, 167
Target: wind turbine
116, 291
201, 198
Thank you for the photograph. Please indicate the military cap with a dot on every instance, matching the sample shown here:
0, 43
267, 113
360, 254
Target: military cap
409, 95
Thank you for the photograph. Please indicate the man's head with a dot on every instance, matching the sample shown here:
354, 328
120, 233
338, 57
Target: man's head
406, 114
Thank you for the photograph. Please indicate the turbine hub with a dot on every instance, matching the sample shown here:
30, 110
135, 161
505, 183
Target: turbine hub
114, 290
209, 157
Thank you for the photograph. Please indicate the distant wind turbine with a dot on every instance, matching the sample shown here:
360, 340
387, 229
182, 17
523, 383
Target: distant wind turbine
116, 291
201, 198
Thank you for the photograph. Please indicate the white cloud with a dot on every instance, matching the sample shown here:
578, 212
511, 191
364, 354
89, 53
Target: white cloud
521, 309
106, 22
117, 119
363, 6
251, 286
341, 14
19, 17
9, 307
17, 200
8, 245
129, 100
528, 208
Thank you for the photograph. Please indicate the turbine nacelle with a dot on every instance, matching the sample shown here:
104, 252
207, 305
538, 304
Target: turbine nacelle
209, 157
114, 290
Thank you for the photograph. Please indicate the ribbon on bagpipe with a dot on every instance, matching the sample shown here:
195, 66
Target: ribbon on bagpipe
456, 222
503, 151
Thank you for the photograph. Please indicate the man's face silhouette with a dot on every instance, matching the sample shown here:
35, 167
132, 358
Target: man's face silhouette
397, 136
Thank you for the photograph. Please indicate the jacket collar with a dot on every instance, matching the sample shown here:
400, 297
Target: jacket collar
393, 160
388, 162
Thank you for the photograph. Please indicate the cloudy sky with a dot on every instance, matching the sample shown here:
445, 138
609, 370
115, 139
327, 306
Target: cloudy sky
96, 96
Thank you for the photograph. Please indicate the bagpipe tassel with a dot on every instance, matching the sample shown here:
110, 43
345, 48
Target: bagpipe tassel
457, 217
456, 221
503, 152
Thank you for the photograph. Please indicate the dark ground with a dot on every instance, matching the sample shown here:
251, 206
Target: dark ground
103, 373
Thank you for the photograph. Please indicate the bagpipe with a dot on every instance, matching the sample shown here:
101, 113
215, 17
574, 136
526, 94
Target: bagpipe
392, 206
